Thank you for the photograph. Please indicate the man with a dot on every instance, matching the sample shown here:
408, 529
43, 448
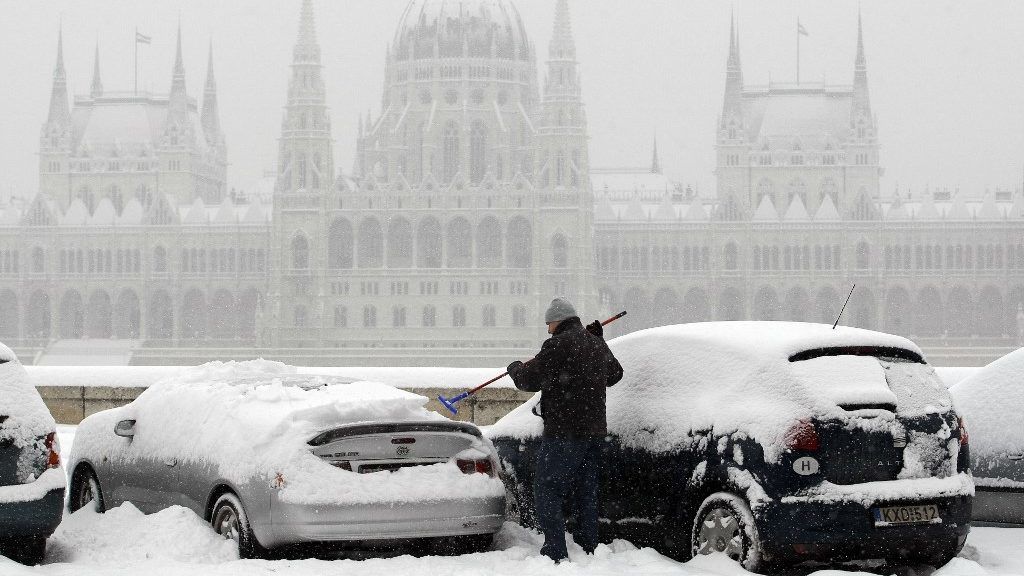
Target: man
572, 370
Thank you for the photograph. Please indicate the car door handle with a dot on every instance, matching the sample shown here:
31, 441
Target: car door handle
171, 462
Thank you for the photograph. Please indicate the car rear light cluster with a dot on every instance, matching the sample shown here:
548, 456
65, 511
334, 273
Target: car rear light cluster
475, 466
803, 437
53, 450
964, 436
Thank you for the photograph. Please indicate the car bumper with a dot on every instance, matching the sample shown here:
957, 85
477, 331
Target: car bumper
800, 531
299, 523
38, 517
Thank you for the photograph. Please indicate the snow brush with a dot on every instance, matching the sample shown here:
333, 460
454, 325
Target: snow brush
449, 403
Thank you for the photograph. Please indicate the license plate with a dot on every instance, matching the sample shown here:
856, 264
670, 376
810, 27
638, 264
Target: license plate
897, 515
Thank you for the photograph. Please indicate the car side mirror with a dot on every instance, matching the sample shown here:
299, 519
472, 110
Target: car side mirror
125, 428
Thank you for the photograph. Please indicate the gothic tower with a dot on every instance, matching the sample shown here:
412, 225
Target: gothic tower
55, 136
732, 146
304, 179
565, 197
862, 159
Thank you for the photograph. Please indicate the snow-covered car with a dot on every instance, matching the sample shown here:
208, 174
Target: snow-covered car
32, 480
992, 403
273, 458
773, 442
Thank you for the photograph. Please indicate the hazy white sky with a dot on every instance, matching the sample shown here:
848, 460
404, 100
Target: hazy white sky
946, 78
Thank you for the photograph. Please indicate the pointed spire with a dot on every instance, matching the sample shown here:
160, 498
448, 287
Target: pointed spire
210, 115
861, 60
731, 106
97, 83
59, 114
861, 97
563, 45
178, 97
655, 164
306, 47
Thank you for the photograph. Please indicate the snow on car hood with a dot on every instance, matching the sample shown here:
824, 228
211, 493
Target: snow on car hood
732, 377
991, 402
252, 420
28, 417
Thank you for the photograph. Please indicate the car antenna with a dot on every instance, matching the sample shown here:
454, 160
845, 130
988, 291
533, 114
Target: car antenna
844, 307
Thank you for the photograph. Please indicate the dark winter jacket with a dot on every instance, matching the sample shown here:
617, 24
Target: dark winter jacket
572, 370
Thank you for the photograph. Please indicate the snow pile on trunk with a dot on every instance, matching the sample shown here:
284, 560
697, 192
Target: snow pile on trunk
731, 377
252, 421
27, 415
125, 536
991, 402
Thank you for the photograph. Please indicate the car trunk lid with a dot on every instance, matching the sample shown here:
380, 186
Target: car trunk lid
368, 448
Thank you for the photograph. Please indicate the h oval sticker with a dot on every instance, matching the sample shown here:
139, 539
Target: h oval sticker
805, 466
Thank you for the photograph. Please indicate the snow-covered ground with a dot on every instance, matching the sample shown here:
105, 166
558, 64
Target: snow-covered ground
175, 542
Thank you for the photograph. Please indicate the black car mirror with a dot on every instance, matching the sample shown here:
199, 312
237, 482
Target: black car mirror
125, 428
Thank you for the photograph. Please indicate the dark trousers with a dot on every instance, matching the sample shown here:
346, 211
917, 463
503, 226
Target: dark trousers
567, 465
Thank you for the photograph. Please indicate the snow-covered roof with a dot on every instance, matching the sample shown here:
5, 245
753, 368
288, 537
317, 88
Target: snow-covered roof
624, 183
116, 124
810, 116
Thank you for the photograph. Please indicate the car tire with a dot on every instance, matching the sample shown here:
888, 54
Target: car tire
724, 523
229, 520
85, 488
29, 551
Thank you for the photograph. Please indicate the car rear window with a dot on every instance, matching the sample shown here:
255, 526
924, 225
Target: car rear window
881, 352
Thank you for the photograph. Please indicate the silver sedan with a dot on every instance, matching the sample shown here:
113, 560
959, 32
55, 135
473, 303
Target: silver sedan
410, 477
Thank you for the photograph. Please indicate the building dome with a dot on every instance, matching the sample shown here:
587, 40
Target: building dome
461, 28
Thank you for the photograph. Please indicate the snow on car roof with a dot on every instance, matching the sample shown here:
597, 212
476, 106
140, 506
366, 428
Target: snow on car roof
778, 340
26, 417
735, 377
991, 401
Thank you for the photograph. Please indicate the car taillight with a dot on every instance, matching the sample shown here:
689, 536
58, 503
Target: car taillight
964, 436
53, 448
803, 437
475, 466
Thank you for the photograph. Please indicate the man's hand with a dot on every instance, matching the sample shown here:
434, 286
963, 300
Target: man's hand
514, 367
596, 329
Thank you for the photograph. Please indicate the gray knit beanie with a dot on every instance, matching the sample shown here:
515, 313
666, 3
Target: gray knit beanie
559, 310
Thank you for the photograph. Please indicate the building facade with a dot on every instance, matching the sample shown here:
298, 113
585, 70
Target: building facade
471, 202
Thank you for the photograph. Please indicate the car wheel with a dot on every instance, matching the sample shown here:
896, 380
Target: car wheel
724, 523
85, 491
29, 551
229, 520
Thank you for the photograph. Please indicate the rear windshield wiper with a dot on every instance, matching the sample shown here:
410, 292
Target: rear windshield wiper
874, 351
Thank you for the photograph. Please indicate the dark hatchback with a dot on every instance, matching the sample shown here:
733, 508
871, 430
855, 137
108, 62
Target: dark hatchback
32, 481
852, 450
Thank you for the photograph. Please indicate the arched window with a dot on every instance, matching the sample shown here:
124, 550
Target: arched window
429, 316
731, 256
451, 151
300, 253
38, 260
317, 167
477, 152
371, 244
301, 172
369, 316
864, 256
559, 251
301, 317
400, 243
159, 259
559, 168
520, 242
116, 198
459, 316
459, 243
489, 316
339, 245
488, 243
